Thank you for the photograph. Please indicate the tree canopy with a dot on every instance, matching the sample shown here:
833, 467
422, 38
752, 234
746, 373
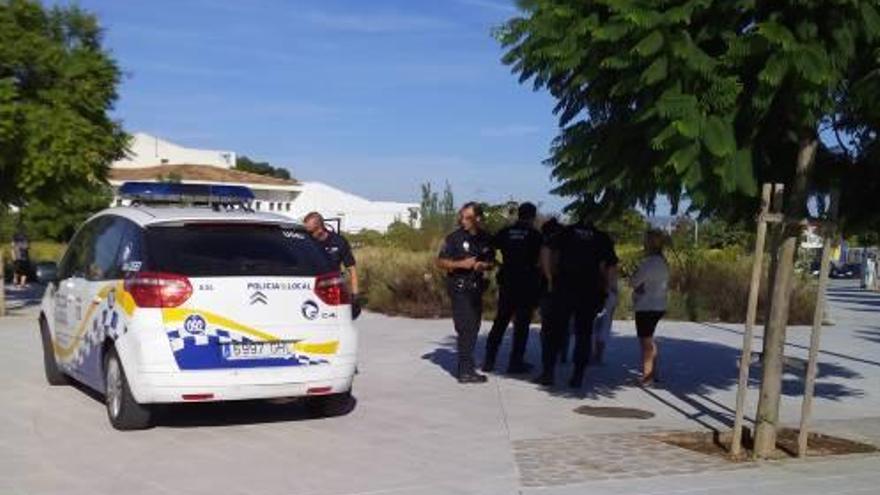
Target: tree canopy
245, 164
701, 99
57, 86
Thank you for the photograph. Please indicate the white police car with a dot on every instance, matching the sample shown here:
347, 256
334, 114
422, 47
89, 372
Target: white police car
162, 303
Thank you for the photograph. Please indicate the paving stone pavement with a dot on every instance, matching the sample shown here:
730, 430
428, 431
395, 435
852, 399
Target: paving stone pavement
590, 458
416, 431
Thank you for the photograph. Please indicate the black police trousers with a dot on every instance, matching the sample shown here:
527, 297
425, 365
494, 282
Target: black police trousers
467, 311
516, 301
557, 312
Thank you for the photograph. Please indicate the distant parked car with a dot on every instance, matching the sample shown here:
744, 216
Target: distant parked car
847, 271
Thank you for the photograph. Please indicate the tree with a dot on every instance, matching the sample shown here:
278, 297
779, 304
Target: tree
438, 214
58, 218
57, 85
245, 164
628, 227
704, 99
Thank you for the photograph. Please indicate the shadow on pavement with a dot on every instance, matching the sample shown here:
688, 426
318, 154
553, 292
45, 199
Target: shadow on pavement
689, 369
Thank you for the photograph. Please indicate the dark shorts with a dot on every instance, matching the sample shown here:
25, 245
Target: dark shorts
646, 322
20, 267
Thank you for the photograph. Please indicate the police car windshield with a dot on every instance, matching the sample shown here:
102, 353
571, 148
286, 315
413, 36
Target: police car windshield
232, 250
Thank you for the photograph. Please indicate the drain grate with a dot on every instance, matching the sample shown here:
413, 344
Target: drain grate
614, 412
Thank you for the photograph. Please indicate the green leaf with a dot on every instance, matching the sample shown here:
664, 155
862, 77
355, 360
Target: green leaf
718, 137
813, 64
650, 44
775, 70
871, 18
745, 174
684, 158
777, 34
611, 31
689, 126
655, 72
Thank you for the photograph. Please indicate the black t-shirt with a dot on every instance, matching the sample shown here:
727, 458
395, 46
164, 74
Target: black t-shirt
337, 249
520, 246
582, 248
461, 244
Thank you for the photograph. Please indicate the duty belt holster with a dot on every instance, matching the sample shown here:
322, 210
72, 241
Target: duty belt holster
466, 284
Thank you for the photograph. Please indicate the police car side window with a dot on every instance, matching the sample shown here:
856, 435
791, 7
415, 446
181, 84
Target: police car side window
108, 235
75, 259
131, 254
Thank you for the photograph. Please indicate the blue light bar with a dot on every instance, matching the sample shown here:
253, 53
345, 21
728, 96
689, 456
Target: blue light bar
172, 192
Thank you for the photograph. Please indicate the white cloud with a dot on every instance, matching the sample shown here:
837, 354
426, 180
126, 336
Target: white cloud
497, 5
512, 130
377, 23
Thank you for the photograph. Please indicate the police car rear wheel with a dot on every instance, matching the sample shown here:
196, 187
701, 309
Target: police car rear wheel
123, 410
328, 406
54, 376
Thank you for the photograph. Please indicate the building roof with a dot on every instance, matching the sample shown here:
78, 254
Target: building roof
203, 173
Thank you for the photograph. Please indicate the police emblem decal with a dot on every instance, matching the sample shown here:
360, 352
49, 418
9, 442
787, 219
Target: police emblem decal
310, 310
194, 325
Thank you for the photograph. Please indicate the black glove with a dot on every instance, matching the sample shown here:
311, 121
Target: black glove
356, 303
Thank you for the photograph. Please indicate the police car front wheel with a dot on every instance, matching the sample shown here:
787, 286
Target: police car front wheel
54, 376
123, 410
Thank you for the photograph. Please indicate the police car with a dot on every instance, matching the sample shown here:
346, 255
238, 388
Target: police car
163, 302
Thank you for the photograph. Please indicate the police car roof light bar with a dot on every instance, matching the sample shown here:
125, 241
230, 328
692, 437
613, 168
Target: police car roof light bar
192, 194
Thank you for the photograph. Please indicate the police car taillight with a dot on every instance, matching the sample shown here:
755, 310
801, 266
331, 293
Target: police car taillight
330, 288
158, 290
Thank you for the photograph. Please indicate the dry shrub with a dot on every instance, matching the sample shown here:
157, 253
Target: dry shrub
705, 285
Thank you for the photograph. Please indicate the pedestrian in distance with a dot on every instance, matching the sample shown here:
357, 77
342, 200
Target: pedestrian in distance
649, 283
20, 259
338, 251
576, 287
519, 288
466, 255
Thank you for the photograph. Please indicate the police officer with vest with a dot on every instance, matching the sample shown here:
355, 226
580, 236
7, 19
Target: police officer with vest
466, 255
519, 288
577, 288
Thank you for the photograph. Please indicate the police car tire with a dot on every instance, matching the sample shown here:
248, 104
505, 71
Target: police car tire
131, 414
54, 376
331, 406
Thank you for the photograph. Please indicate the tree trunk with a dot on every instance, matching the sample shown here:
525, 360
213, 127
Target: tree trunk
767, 418
2, 286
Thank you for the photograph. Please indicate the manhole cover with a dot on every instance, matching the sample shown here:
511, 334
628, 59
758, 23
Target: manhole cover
614, 412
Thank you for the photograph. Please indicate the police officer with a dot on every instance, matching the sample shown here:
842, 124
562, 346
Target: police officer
577, 289
335, 246
466, 255
519, 286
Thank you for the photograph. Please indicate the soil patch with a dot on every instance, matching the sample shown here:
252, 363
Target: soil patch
718, 444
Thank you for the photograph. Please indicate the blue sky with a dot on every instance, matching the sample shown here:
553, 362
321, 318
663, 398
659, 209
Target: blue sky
374, 97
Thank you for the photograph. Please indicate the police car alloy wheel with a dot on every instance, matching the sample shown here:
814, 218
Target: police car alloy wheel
54, 376
123, 411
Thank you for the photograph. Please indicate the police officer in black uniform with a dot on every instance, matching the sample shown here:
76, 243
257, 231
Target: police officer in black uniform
335, 246
519, 287
466, 255
577, 288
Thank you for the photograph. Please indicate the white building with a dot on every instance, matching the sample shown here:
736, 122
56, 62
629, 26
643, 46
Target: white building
152, 160
149, 151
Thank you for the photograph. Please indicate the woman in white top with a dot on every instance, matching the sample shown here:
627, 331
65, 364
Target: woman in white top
649, 284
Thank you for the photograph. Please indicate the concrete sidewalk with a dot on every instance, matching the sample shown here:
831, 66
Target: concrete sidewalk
415, 430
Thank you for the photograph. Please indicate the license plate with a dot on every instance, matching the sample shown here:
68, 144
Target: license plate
258, 350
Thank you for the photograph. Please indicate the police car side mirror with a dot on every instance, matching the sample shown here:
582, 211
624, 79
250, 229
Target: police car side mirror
47, 272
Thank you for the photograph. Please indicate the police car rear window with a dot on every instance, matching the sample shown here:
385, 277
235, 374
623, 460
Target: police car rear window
229, 250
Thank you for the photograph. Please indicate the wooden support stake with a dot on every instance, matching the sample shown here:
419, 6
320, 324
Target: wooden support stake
2, 286
752, 310
815, 335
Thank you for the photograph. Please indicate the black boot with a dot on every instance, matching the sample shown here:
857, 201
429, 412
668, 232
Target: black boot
472, 377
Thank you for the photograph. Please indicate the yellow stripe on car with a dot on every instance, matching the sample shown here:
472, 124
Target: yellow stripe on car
65, 351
